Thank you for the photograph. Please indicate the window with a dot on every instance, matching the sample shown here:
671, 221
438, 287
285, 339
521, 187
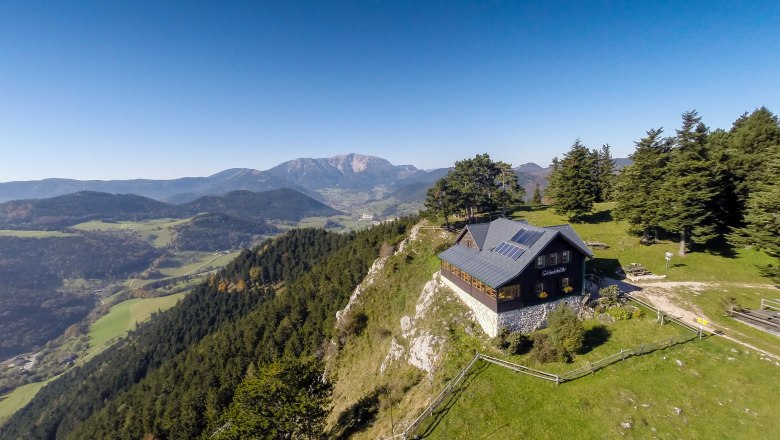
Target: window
565, 257
552, 259
509, 292
540, 262
538, 288
564, 283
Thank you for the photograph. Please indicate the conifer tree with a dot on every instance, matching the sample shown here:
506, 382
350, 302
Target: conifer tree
689, 191
751, 138
762, 215
638, 187
536, 199
574, 188
606, 174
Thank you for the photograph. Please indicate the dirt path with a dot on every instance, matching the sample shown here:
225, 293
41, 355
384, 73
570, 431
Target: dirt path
661, 295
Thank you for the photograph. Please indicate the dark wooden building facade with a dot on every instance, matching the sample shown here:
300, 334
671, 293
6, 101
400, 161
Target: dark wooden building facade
507, 265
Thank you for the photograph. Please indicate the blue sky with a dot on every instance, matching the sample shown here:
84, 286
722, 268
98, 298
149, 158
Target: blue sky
107, 90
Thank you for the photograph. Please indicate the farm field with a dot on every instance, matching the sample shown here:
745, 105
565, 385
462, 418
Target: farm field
16, 399
123, 317
159, 232
32, 234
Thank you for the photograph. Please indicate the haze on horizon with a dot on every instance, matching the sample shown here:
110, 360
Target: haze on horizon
118, 90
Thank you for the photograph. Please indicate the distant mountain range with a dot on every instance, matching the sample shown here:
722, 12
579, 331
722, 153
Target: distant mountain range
67, 210
349, 182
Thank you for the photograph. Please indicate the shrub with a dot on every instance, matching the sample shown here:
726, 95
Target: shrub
566, 331
512, 342
518, 343
637, 313
544, 350
609, 295
619, 313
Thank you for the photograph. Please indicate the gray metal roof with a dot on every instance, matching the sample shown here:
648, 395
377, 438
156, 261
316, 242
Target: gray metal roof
494, 269
479, 232
573, 238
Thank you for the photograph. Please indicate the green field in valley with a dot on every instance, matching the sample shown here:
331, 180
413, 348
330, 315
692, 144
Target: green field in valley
11, 402
123, 317
159, 232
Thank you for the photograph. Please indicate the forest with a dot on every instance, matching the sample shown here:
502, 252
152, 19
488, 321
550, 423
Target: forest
194, 371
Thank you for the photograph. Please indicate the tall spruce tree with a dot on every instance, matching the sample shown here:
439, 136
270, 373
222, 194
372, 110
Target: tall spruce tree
689, 191
536, 199
575, 190
606, 174
762, 215
751, 139
638, 187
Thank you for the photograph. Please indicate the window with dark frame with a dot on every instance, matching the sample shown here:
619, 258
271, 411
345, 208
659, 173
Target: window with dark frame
565, 257
552, 259
564, 282
540, 261
538, 288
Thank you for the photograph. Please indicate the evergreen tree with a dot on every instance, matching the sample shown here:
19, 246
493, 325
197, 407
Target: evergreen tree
536, 199
475, 185
751, 138
689, 191
638, 187
575, 190
552, 179
762, 216
606, 174
286, 399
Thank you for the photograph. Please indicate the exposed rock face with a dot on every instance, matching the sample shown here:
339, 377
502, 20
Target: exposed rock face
424, 352
395, 353
523, 320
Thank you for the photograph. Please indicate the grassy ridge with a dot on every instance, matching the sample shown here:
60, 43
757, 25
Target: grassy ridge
720, 391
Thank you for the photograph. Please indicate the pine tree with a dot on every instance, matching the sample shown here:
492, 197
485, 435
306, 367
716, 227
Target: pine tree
574, 192
638, 187
536, 199
689, 191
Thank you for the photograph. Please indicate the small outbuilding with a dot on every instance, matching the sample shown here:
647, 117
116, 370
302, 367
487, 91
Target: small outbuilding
511, 273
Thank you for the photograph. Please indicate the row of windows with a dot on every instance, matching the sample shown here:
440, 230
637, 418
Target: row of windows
563, 283
552, 259
477, 284
506, 292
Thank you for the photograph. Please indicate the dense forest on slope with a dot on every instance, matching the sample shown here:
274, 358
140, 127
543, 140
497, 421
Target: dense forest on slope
34, 306
210, 232
175, 377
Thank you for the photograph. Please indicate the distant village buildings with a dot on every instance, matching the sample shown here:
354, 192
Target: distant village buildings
511, 273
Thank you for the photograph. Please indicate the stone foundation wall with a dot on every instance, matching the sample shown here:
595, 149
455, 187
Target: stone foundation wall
532, 318
524, 320
487, 318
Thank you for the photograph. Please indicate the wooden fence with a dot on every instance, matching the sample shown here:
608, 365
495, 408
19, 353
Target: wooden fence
589, 368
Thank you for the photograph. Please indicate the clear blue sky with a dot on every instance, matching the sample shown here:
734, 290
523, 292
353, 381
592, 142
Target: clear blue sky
123, 89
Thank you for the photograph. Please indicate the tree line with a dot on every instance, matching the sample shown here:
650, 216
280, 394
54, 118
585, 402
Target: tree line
700, 186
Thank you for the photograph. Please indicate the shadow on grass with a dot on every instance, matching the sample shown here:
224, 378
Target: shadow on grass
722, 248
439, 414
597, 217
594, 337
359, 416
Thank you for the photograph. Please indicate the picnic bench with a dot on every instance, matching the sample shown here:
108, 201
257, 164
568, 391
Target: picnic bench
636, 270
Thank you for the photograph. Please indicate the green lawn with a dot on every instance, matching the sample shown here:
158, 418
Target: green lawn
740, 265
721, 392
